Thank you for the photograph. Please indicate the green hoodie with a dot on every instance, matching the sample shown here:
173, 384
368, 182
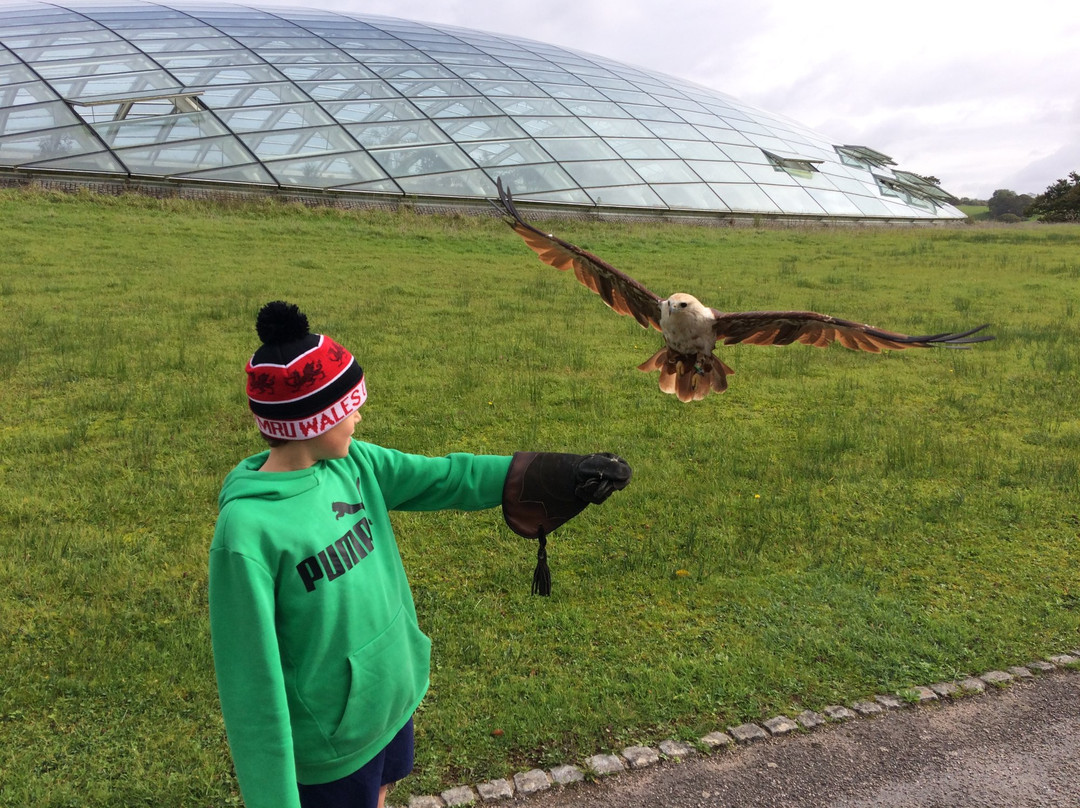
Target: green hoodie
317, 650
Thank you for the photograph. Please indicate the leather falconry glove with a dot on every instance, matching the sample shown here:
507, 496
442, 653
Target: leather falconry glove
544, 490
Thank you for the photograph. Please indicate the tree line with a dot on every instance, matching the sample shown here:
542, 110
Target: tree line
1059, 203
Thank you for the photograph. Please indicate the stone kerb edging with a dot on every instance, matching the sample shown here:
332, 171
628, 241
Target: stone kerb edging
532, 782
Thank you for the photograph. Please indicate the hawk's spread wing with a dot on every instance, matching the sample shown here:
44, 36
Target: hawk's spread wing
621, 292
811, 328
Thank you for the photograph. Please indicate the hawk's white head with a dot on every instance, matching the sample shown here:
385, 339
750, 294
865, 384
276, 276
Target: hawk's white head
683, 306
687, 324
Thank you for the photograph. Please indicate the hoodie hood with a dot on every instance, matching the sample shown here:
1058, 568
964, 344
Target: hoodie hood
247, 482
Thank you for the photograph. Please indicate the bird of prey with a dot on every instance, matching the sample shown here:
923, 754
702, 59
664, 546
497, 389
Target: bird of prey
688, 367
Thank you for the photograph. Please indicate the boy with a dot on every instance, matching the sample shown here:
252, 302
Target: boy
319, 658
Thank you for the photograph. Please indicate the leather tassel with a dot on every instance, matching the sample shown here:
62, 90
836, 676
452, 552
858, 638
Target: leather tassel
541, 584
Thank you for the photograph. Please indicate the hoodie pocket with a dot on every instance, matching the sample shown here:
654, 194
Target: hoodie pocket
388, 677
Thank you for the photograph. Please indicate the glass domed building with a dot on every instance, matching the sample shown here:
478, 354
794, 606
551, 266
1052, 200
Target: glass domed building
308, 101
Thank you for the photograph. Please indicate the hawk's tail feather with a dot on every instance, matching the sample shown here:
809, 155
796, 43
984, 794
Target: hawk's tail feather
691, 378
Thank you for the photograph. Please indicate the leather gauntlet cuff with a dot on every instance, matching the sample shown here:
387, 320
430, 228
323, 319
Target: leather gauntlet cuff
544, 490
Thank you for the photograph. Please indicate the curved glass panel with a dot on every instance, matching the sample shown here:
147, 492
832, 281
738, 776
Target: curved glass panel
162, 129
250, 173
641, 149
661, 171
637, 197
602, 173
750, 198
326, 172
692, 196
278, 143
398, 133
114, 85
282, 116
246, 95
305, 98
98, 162
31, 117
464, 183
489, 129
190, 155
506, 152
565, 149
542, 177
33, 147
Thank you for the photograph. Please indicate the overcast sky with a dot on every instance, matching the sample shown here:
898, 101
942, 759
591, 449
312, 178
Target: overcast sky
980, 95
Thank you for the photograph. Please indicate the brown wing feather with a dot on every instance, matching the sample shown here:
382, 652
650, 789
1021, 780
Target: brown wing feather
617, 289
811, 328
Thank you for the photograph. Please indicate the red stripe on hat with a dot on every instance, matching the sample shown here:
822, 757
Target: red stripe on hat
305, 375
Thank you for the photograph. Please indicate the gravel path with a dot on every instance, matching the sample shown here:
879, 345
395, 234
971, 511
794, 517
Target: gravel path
1017, 745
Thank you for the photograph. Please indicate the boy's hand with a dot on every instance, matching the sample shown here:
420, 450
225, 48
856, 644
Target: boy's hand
544, 490
600, 475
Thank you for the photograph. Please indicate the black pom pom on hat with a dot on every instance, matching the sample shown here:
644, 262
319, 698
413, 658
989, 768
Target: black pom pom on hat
280, 322
284, 333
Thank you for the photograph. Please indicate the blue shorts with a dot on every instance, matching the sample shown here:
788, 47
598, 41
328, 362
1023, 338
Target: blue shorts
361, 788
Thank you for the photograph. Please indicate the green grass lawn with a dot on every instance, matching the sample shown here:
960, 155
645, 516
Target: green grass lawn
836, 525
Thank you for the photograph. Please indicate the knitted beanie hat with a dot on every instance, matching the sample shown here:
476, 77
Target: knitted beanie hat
299, 384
